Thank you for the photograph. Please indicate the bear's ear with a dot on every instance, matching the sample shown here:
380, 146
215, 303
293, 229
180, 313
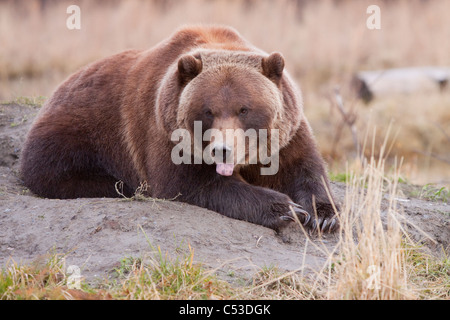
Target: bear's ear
273, 66
188, 68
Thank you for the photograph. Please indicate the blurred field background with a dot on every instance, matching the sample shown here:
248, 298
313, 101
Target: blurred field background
324, 44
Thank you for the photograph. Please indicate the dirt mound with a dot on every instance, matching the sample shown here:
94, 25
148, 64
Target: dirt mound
98, 233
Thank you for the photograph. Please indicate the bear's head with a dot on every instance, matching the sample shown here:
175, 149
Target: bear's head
236, 106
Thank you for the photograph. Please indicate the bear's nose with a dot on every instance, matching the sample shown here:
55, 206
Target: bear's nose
221, 153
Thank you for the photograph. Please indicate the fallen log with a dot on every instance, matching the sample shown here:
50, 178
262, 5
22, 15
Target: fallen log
371, 84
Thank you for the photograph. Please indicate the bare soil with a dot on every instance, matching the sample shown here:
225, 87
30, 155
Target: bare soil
97, 233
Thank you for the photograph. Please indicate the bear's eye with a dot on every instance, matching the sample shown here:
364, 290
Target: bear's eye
209, 113
243, 111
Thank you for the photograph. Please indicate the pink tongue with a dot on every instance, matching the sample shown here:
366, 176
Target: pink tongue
225, 169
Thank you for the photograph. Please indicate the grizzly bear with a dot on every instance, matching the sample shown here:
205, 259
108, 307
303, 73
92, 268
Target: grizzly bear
114, 121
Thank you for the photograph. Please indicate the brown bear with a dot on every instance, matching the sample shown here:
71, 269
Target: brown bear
114, 120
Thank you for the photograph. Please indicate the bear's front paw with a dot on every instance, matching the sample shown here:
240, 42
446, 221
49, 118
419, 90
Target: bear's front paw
324, 219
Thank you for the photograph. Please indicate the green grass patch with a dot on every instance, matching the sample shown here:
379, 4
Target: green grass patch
28, 101
340, 177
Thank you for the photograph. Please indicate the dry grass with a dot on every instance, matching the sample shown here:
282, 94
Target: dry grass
371, 263
162, 278
44, 279
320, 39
152, 278
375, 258
420, 133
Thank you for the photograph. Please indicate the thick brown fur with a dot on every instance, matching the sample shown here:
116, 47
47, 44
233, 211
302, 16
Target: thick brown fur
112, 121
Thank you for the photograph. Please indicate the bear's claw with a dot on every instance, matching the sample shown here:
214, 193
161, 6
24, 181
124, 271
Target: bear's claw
332, 224
297, 210
287, 218
322, 224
